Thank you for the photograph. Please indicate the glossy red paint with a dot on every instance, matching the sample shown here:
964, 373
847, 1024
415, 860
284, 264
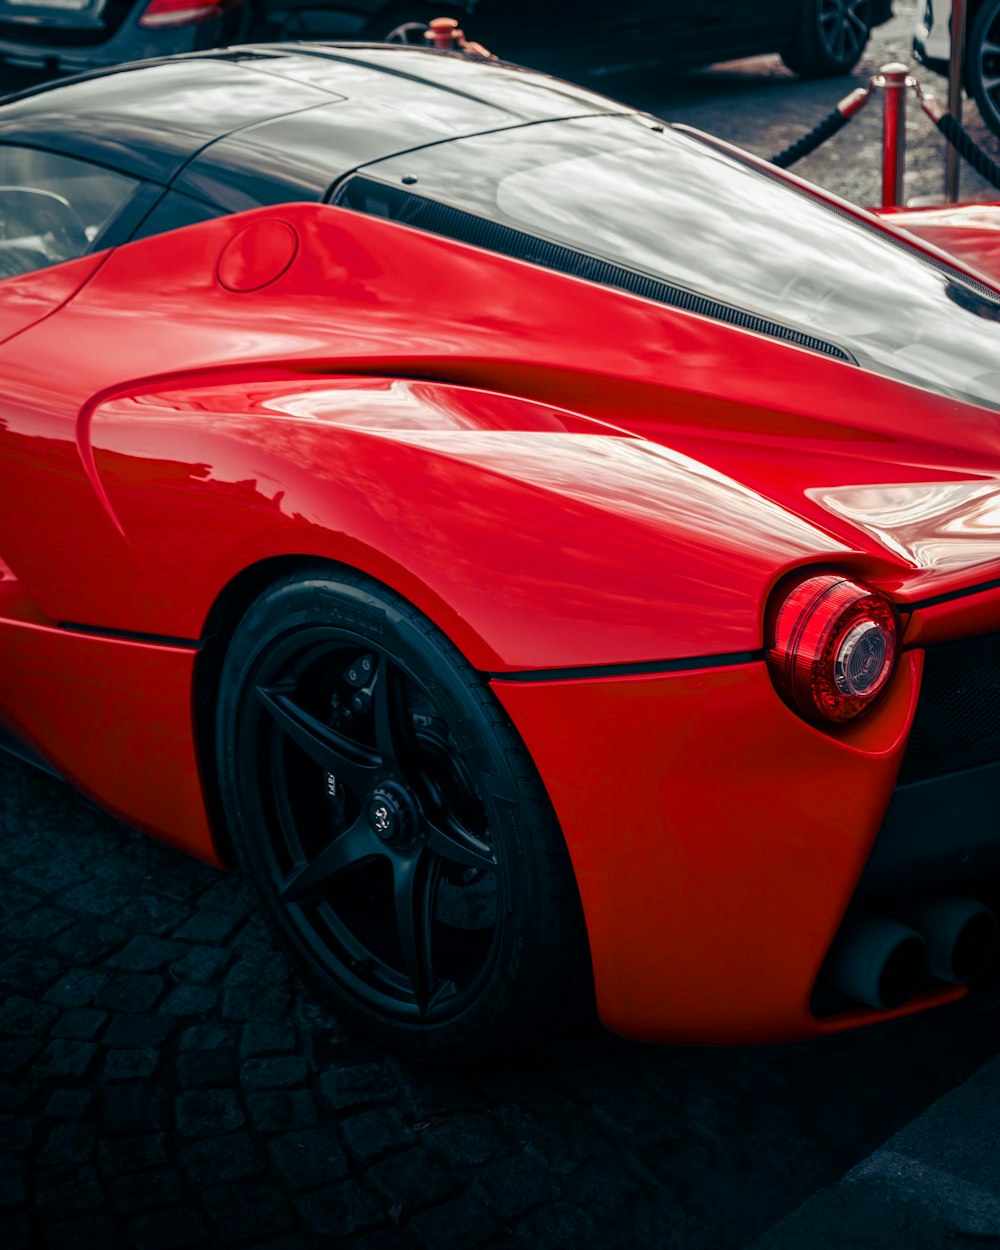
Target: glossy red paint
562, 478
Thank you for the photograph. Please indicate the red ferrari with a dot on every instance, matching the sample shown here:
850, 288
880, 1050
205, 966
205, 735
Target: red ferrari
537, 544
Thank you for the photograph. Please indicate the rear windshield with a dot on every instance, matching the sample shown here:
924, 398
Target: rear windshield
660, 202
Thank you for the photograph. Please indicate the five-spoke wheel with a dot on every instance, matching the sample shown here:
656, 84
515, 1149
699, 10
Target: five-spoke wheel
389, 816
830, 37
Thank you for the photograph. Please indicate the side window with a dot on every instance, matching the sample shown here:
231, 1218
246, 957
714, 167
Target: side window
173, 212
53, 207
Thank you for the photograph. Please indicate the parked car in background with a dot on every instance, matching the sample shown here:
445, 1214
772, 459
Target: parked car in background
932, 45
815, 37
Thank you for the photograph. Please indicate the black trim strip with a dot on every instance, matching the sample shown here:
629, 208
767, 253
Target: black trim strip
630, 669
369, 195
953, 594
131, 635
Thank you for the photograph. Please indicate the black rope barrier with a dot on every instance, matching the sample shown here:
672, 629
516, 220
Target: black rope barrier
826, 129
966, 146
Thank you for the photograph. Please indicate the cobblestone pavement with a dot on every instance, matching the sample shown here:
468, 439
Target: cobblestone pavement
165, 1080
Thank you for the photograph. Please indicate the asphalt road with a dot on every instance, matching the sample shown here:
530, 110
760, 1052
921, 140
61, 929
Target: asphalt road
166, 1081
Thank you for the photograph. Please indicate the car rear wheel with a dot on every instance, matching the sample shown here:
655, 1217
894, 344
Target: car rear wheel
983, 63
830, 37
392, 822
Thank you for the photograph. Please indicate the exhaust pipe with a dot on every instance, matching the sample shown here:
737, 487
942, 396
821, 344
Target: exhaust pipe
961, 936
876, 960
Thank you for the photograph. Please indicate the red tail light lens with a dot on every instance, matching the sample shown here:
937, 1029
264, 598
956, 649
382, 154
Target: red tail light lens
832, 648
161, 13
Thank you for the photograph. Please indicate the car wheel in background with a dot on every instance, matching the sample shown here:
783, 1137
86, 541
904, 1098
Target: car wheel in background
982, 62
392, 822
830, 37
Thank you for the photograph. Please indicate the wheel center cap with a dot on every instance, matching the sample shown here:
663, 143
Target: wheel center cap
393, 814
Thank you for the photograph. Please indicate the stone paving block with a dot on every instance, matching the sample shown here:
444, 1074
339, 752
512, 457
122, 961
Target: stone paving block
607, 1184
168, 1230
244, 1003
67, 1103
80, 1024
357, 1086
15, 1055
63, 1058
13, 1182
70, 1142
279, 1110
26, 972
215, 1160
96, 898
209, 926
136, 1108
263, 970
206, 1037
561, 1226
88, 941
340, 1210
77, 988
17, 897
281, 1072
15, 1232
200, 965
54, 873
374, 1133
33, 927
247, 1211
208, 1113
151, 914
189, 1000
90, 1232
384, 1239
206, 1069
146, 954
66, 1191
13, 1096
466, 1142
514, 1185
17, 1133
136, 1032
132, 991
266, 1038
119, 1155
145, 1191
412, 1180
462, 1222
309, 1158
23, 1017
130, 1065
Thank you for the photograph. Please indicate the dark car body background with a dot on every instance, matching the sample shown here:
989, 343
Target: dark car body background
814, 36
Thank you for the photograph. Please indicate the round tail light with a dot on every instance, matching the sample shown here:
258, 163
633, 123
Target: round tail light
832, 648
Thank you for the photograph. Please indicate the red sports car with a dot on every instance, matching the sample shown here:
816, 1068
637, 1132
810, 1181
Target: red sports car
538, 544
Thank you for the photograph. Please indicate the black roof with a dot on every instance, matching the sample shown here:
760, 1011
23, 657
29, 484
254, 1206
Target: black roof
269, 123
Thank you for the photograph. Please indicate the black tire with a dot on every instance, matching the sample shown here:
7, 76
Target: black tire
982, 63
447, 923
830, 37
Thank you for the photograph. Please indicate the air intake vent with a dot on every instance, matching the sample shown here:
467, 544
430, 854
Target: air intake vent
365, 195
957, 724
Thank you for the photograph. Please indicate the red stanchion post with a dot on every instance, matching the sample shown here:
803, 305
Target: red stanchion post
443, 33
894, 80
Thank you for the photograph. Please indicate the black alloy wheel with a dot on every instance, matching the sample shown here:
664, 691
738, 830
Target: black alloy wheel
391, 820
830, 37
982, 62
